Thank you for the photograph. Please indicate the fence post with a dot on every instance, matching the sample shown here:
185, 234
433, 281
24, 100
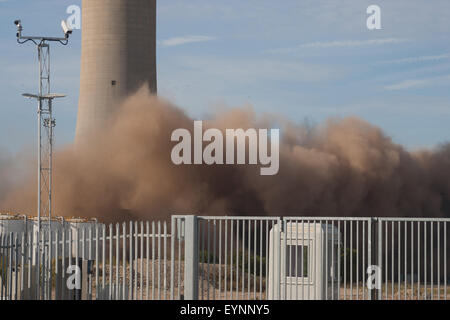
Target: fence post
173, 236
380, 256
191, 258
369, 254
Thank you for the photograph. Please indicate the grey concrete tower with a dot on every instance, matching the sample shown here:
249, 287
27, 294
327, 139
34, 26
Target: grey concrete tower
118, 56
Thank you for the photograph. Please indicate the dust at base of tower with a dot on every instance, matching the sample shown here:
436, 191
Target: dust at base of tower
118, 56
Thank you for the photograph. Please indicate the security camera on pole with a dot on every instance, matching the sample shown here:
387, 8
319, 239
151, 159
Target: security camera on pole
46, 123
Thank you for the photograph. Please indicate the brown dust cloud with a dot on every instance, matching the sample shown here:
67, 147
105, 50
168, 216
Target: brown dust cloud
344, 167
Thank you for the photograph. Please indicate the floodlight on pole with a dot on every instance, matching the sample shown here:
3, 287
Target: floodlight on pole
46, 123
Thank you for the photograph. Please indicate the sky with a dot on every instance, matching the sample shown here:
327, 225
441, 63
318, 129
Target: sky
303, 59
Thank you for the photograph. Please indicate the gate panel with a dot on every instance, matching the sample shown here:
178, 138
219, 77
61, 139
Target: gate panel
325, 258
233, 257
413, 254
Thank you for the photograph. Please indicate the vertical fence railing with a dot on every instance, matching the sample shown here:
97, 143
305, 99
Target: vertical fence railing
321, 258
325, 258
112, 262
179, 258
233, 257
414, 253
137, 266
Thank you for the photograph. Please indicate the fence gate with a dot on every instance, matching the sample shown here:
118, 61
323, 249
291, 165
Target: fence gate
225, 257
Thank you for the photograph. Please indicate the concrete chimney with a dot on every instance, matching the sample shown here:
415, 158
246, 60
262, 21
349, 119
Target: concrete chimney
118, 56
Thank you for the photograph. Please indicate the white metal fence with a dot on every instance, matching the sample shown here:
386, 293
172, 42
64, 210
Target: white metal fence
121, 261
251, 258
318, 258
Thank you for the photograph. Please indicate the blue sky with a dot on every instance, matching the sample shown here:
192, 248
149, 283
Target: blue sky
300, 58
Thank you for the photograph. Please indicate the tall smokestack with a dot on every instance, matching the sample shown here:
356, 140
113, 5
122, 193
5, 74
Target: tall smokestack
118, 56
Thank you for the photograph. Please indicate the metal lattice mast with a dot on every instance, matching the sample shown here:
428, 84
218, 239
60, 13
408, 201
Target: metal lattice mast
46, 122
45, 142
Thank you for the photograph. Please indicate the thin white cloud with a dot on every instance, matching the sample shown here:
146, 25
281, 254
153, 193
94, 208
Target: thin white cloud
352, 43
418, 83
251, 71
418, 59
177, 41
407, 84
340, 44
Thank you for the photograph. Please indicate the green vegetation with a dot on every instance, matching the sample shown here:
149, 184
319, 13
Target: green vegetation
240, 260
348, 257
